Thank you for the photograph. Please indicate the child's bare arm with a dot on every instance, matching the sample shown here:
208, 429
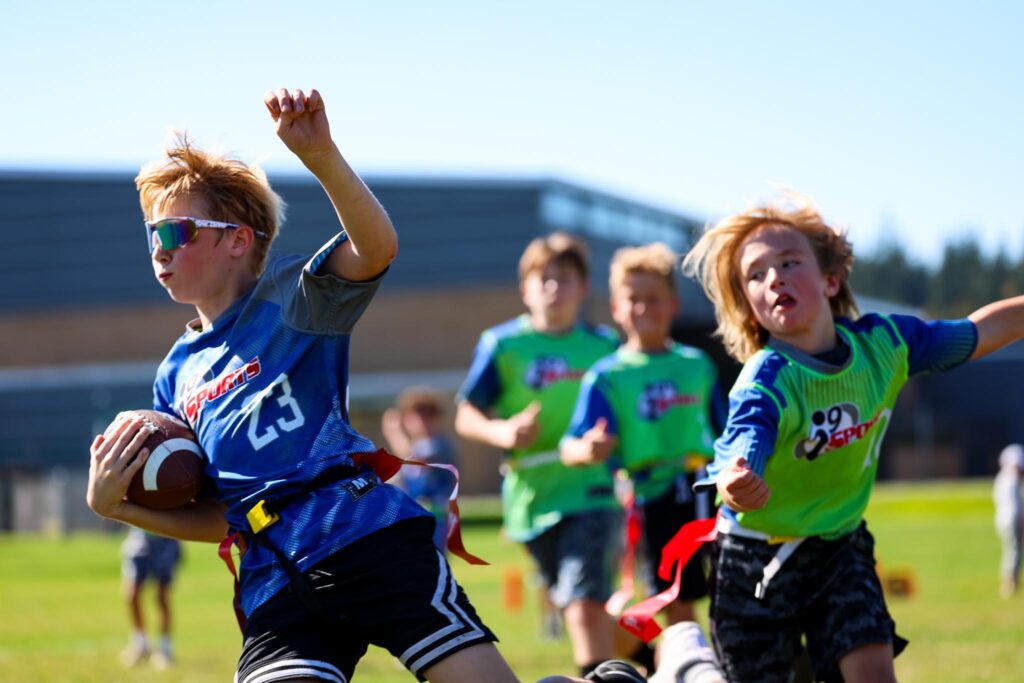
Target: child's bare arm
114, 461
518, 431
303, 127
998, 324
394, 433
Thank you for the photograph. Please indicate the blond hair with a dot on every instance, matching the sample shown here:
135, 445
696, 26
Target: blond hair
714, 262
656, 259
230, 191
560, 247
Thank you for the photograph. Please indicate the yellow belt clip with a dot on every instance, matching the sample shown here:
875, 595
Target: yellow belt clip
694, 462
776, 540
259, 518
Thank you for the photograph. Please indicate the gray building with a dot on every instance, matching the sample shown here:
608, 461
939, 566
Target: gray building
83, 323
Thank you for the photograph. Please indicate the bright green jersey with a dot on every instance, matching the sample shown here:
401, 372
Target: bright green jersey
662, 407
814, 430
513, 366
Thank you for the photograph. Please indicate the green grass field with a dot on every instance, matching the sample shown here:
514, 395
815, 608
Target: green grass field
62, 619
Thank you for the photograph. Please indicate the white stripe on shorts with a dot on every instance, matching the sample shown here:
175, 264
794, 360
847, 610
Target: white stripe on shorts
458, 621
294, 668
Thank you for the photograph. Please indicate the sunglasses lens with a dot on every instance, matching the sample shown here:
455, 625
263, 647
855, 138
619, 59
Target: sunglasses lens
172, 233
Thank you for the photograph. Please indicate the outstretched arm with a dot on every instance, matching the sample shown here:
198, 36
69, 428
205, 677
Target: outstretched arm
303, 127
998, 324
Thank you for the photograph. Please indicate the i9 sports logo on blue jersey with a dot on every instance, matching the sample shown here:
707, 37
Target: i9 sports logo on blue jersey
217, 387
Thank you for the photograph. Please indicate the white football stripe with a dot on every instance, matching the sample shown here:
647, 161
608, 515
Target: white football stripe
159, 454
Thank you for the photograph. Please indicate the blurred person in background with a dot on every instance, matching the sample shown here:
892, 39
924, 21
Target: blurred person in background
1009, 516
518, 396
413, 430
144, 557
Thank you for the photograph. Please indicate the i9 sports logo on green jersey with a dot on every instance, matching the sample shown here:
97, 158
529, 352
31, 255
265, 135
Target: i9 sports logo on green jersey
546, 370
658, 398
834, 427
824, 423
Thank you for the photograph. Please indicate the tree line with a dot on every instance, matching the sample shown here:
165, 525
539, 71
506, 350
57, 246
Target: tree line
965, 278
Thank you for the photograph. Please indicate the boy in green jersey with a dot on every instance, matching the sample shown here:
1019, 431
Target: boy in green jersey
518, 396
797, 461
654, 408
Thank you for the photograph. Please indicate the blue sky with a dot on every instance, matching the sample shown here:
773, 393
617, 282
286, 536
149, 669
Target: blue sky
899, 119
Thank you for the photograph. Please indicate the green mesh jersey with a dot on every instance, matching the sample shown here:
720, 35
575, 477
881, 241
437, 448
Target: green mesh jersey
513, 366
661, 406
814, 430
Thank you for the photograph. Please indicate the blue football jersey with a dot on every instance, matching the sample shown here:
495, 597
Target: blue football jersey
265, 391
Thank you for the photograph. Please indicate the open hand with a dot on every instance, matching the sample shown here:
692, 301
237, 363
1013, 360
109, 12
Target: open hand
741, 488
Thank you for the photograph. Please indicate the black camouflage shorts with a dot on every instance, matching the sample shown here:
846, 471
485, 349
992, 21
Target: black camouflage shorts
826, 591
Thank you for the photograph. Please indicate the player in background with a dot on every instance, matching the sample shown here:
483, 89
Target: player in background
797, 461
1009, 516
261, 377
654, 408
413, 429
147, 557
518, 397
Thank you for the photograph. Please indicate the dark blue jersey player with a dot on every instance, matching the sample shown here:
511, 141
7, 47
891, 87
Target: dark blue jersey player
261, 376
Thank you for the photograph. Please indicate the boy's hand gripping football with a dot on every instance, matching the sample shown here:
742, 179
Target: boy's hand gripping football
115, 458
741, 488
302, 124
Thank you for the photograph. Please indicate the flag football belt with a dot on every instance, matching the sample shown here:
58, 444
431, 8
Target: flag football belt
529, 462
639, 620
265, 513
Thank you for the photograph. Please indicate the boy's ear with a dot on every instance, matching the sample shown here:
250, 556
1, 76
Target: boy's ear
832, 285
242, 239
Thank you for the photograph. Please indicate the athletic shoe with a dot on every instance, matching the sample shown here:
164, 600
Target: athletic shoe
615, 671
686, 657
133, 655
161, 661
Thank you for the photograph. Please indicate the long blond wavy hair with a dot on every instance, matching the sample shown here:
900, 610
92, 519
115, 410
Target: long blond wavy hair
714, 262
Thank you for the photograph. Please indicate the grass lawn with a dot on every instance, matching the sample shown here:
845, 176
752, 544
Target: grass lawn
62, 619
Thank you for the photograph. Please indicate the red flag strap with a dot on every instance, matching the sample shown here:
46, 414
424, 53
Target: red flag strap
639, 619
386, 465
225, 553
617, 602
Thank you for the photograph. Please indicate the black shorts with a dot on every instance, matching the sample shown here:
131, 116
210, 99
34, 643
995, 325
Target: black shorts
660, 520
392, 589
576, 557
827, 591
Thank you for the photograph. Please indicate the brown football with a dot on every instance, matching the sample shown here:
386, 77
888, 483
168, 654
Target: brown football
173, 473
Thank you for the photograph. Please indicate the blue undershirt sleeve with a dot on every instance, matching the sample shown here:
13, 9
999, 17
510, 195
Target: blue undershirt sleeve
591, 405
936, 345
482, 386
750, 431
717, 409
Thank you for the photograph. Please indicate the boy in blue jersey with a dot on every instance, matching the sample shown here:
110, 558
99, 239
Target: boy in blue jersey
797, 461
336, 558
653, 408
518, 397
